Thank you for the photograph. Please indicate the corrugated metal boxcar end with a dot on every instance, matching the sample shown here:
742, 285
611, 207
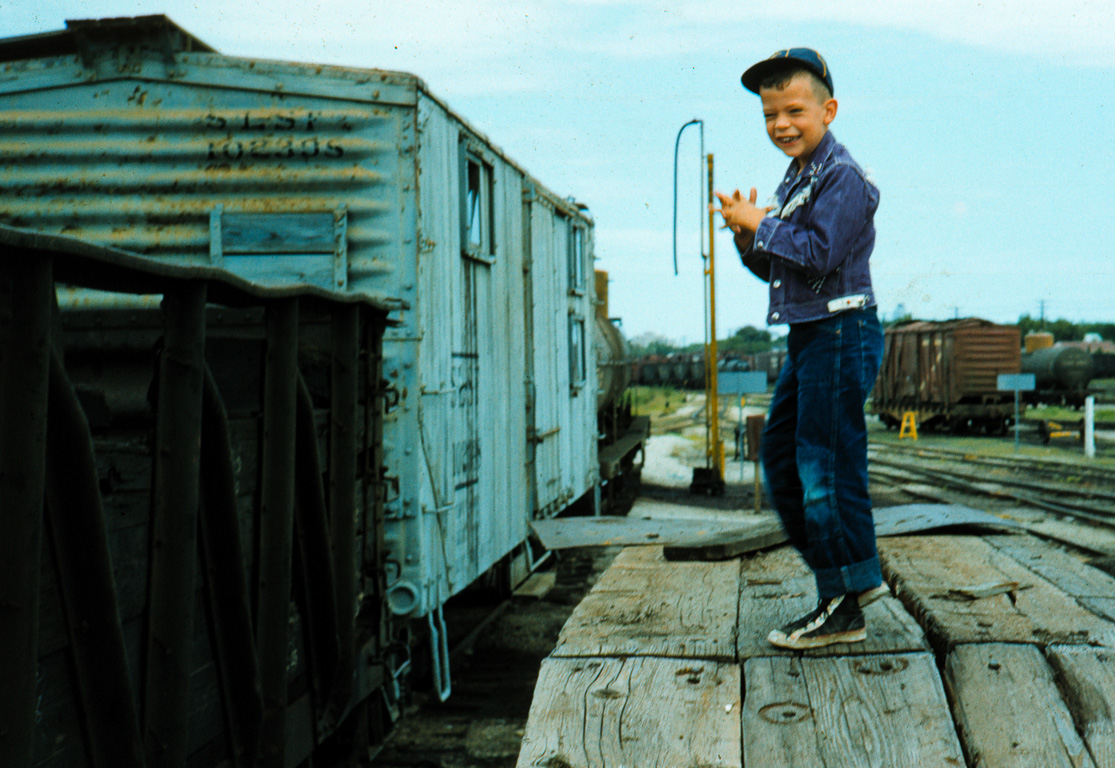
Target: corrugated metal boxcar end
142, 158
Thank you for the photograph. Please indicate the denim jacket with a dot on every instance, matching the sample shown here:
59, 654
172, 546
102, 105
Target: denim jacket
813, 247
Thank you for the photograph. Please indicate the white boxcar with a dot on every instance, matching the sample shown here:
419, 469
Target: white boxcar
133, 133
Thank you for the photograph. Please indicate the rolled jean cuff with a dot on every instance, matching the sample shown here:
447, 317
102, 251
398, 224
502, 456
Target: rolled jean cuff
849, 579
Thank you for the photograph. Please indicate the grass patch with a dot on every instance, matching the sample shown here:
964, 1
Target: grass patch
657, 401
1066, 415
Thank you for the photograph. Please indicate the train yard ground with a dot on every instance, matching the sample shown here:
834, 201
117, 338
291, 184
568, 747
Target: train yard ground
996, 649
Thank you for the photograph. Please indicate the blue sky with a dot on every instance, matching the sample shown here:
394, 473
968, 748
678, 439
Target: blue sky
987, 126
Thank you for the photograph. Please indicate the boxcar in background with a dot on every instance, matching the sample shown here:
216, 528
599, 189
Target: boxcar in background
946, 374
134, 134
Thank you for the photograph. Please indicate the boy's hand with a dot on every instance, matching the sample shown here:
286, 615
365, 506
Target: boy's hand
740, 215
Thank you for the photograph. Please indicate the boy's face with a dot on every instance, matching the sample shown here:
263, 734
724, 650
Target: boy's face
796, 117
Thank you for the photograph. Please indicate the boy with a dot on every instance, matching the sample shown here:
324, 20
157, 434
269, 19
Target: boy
812, 245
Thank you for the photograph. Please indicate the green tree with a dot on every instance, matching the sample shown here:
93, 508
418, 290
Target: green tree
1062, 330
747, 340
1105, 330
651, 345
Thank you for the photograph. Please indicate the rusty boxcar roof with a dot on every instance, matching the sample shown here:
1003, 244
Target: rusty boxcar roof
80, 33
921, 326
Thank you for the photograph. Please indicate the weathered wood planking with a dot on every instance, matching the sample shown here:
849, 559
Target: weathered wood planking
906, 519
1087, 682
728, 544
565, 532
880, 711
1008, 710
1090, 587
777, 586
926, 571
643, 712
899, 520
644, 605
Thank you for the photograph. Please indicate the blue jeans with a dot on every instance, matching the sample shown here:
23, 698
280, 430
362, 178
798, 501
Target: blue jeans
814, 448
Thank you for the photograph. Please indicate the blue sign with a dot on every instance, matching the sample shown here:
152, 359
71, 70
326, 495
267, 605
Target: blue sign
1016, 382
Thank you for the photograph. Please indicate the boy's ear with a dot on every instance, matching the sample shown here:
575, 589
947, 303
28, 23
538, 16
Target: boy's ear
829, 113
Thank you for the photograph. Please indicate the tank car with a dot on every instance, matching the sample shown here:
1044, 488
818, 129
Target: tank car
1105, 364
1061, 374
946, 374
613, 365
621, 434
359, 183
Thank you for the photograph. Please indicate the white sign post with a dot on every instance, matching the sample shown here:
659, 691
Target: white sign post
1090, 427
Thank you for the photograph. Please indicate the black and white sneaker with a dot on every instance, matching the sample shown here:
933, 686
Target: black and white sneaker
835, 620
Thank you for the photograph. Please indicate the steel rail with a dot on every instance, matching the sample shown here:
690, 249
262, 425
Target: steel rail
1002, 491
1086, 492
1045, 465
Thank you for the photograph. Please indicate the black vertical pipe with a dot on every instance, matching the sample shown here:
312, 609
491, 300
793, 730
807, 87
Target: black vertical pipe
275, 523
76, 526
342, 487
26, 299
174, 527
226, 580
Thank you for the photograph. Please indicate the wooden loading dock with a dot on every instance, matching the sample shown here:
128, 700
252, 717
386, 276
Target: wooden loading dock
995, 650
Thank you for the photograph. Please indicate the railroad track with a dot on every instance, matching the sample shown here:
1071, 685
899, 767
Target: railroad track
1059, 499
1048, 467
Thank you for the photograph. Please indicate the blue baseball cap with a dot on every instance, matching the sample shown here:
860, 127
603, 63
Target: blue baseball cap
807, 57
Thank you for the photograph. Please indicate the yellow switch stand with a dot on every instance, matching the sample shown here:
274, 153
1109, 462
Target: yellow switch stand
909, 426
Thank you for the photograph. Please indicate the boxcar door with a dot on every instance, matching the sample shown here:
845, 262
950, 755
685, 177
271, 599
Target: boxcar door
549, 380
466, 429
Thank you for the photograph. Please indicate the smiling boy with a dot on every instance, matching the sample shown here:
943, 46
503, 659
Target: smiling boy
813, 245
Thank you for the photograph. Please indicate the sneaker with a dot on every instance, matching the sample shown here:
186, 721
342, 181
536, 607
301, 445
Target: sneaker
835, 620
869, 596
